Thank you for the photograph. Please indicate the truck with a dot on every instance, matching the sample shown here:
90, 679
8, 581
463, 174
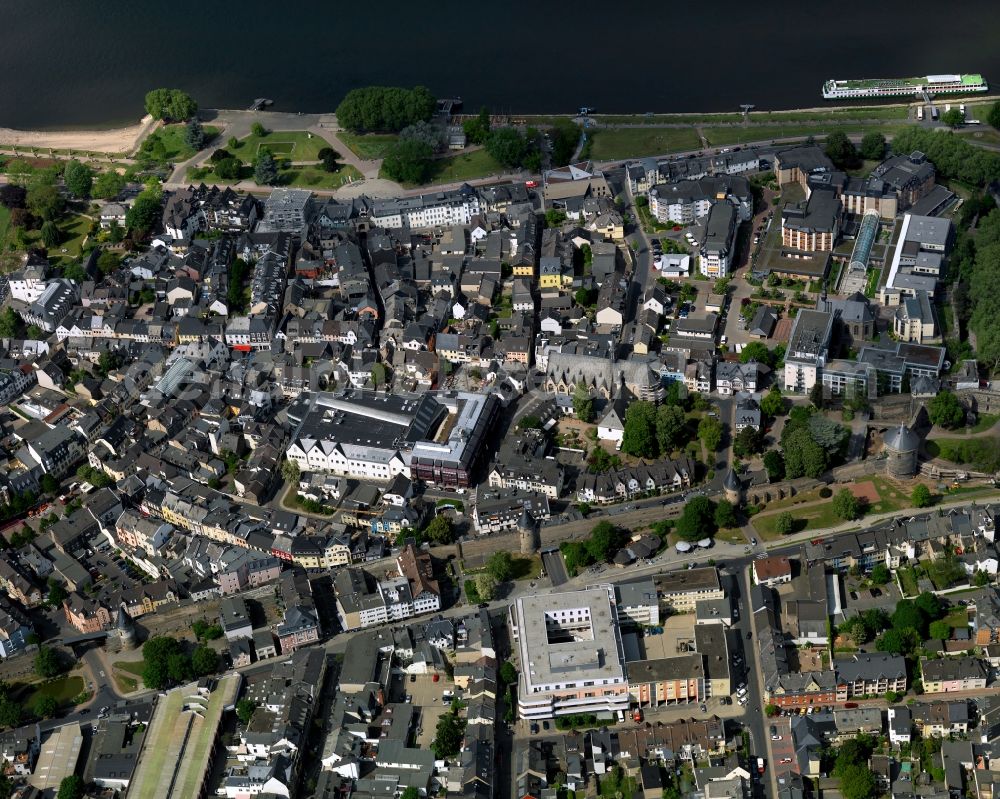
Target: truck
760, 765
637, 714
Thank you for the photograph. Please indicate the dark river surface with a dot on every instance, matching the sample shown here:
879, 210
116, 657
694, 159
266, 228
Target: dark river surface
88, 63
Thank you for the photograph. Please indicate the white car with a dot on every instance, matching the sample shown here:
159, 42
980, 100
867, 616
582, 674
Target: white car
741, 685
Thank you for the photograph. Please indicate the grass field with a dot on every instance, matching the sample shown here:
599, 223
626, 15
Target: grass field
303, 177
295, 145
758, 133
612, 143
311, 177
62, 690
125, 685
74, 231
369, 146
465, 166
980, 134
131, 666
172, 137
834, 114
813, 517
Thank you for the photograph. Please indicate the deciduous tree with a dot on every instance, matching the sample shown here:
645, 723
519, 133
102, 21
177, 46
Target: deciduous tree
79, 178
846, 505
170, 105
873, 146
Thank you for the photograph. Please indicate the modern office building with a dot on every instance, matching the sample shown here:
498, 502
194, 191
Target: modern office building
570, 651
808, 347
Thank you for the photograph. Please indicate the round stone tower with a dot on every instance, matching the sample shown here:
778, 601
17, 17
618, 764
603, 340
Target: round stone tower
125, 628
733, 487
901, 447
527, 531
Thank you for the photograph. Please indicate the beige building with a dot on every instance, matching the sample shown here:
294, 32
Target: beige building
681, 590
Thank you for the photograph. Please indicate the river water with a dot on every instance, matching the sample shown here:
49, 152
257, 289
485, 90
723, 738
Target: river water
85, 63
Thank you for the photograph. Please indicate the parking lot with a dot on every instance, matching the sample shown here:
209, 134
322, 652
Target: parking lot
426, 695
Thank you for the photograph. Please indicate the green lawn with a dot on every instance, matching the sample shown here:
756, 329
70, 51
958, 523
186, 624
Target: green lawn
465, 166
833, 114
311, 177
609, 144
757, 133
295, 145
131, 666
526, 568
62, 689
814, 517
74, 232
986, 421
980, 134
368, 146
172, 137
303, 177
125, 685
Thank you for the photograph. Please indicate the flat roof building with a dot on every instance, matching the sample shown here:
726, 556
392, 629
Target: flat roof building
570, 653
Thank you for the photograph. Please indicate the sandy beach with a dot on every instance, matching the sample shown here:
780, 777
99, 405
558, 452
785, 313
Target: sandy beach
115, 140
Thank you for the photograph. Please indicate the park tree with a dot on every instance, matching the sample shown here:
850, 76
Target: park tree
604, 541
774, 463
194, 134
244, 710
229, 169
784, 523
501, 566
45, 706
802, 455
50, 234
108, 185
258, 131
265, 169
840, 150
873, 146
710, 433
583, 403
639, 436
434, 136
13, 196
846, 505
477, 129
697, 521
920, 497
71, 787
564, 136
11, 712
486, 586
953, 118
45, 201
47, 663
330, 159
993, 116
508, 146
725, 514
409, 161
79, 178
157, 653
204, 660
170, 105
440, 530
946, 410
384, 108
671, 428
